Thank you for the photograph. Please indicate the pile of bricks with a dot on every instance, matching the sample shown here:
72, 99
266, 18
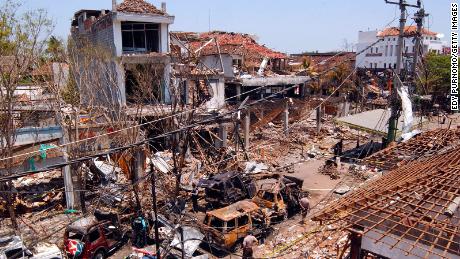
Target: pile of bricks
138, 6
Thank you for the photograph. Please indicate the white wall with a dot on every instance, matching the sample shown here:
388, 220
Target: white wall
117, 38
164, 38
213, 62
164, 47
383, 54
218, 95
364, 40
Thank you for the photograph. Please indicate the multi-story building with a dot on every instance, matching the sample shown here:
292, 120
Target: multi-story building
246, 65
135, 33
383, 54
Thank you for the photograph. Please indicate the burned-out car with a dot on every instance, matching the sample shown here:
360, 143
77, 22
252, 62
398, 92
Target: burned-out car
280, 195
12, 247
93, 237
227, 188
225, 227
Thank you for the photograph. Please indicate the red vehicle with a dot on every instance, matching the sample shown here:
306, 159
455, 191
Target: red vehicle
90, 238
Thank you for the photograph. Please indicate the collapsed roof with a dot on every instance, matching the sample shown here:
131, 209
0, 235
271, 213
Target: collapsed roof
138, 7
423, 144
229, 43
411, 211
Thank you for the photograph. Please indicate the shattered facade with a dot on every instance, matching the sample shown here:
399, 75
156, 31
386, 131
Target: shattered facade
136, 34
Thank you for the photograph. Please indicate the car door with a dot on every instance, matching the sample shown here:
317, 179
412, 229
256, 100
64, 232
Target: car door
96, 240
242, 226
231, 233
111, 235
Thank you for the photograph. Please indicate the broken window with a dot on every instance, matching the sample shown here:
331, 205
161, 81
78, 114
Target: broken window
268, 196
237, 62
217, 224
231, 225
243, 221
93, 236
16, 253
237, 183
75, 236
140, 37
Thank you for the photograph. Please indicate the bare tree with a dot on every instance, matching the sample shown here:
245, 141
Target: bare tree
22, 44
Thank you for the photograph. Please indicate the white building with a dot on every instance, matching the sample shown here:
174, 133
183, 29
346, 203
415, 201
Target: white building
135, 33
383, 54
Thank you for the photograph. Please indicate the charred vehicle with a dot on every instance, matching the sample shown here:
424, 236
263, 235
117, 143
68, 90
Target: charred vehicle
94, 237
280, 195
12, 247
224, 228
227, 188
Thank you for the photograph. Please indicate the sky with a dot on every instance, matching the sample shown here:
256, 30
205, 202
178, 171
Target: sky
290, 26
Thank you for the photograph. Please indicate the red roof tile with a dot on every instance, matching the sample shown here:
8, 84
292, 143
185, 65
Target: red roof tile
235, 43
408, 31
138, 6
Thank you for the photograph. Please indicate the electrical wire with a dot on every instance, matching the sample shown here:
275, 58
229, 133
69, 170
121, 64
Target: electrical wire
3, 179
138, 125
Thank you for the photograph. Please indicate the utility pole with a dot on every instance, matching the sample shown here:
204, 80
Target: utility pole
392, 125
154, 200
418, 17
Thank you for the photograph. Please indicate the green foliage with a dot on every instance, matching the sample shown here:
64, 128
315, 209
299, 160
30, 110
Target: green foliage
7, 22
306, 63
340, 76
55, 49
23, 36
436, 77
70, 93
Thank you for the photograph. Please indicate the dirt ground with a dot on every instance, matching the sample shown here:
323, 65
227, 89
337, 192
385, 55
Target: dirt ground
289, 159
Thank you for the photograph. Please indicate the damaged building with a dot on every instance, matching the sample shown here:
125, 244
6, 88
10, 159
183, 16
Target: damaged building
245, 64
136, 34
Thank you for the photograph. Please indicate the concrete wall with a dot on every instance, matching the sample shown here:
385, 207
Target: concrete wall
213, 62
106, 32
102, 33
117, 38
164, 38
218, 94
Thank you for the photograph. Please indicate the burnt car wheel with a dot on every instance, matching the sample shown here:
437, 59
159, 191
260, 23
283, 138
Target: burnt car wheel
99, 255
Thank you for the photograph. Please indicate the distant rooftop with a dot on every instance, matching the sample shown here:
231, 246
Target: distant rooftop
408, 31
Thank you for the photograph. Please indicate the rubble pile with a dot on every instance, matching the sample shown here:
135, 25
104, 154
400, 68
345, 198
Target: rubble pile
331, 170
359, 173
138, 6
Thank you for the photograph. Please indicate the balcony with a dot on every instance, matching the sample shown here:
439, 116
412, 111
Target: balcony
374, 54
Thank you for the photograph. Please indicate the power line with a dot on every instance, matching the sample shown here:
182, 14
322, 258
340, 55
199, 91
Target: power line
149, 122
113, 150
174, 115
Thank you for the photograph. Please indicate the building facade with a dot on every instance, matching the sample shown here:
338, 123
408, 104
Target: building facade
136, 34
383, 54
